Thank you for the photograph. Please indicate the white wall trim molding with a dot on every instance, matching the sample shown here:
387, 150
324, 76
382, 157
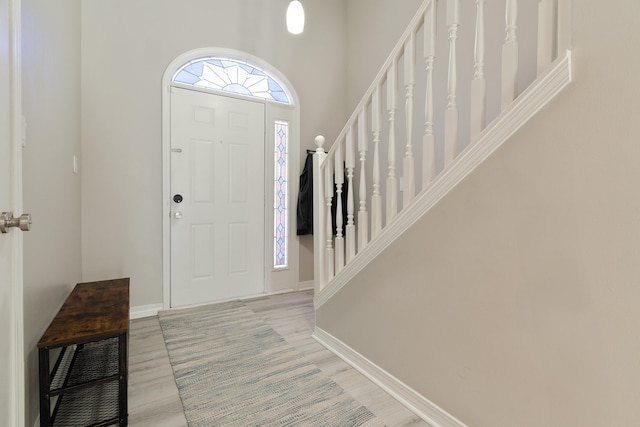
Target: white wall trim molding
143, 311
414, 401
523, 108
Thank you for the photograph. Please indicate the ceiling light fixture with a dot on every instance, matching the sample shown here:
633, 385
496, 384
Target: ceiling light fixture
295, 17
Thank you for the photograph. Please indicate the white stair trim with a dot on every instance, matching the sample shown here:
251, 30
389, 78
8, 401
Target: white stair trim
536, 96
414, 401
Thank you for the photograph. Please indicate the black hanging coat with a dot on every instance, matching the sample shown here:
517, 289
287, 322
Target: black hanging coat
305, 201
305, 198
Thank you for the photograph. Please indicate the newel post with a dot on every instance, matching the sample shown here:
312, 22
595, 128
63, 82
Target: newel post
319, 269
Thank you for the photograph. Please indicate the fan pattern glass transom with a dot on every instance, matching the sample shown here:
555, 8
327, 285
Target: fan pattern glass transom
231, 75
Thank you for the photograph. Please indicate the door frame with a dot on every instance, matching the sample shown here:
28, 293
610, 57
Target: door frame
273, 111
16, 328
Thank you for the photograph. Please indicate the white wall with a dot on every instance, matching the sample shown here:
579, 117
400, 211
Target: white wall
51, 106
126, 47
514, 301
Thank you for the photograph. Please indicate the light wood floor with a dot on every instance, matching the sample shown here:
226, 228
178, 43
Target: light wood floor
153, 395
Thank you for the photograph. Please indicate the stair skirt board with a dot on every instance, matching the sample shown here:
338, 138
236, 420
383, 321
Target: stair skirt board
415, 402
524, 107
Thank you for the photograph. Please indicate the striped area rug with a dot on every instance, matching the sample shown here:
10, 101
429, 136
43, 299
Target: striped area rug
232, 369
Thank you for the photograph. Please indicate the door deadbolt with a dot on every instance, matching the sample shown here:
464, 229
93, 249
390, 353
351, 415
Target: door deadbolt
23, 222
177, 198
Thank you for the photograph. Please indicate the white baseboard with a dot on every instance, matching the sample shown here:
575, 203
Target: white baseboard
415, 402
306, 285
145, 311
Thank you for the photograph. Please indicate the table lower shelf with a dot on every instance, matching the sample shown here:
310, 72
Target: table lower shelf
87, 363
85, 386
93, 406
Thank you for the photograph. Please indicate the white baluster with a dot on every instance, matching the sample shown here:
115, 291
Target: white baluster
392, 106
339, 179
428, 141
376, 197
363, 216
328, 196
479, 82
451, 115
510, 56
350, 228
319, 219
409, 82
546, 33
564, 26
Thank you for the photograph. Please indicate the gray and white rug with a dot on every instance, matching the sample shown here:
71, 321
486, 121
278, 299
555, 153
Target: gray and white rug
232, 369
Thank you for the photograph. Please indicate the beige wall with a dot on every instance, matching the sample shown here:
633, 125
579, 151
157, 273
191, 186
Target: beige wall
51, 106
375, 26
122, 162
514, 302
126, 46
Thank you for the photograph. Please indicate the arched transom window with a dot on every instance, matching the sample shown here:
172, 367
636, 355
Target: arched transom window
231, 75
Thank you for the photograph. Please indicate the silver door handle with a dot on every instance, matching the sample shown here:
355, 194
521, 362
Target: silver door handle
23, 222
177, 215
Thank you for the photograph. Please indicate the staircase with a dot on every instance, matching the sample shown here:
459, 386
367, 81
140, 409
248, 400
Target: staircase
395, 160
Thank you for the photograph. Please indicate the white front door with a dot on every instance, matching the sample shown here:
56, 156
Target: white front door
11, 365
217, 197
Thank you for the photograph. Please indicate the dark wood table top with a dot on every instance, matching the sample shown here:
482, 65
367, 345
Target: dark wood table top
93, 311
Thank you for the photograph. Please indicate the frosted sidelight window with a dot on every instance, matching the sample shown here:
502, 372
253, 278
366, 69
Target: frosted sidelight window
231, 75
281, 212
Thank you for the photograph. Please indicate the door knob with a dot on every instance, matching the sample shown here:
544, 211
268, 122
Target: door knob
23, 222
177, 215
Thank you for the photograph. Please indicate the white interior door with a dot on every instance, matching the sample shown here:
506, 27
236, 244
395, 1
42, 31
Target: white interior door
5, 239
217, 197
11, 363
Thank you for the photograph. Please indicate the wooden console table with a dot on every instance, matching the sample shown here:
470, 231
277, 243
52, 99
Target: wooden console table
87, 385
